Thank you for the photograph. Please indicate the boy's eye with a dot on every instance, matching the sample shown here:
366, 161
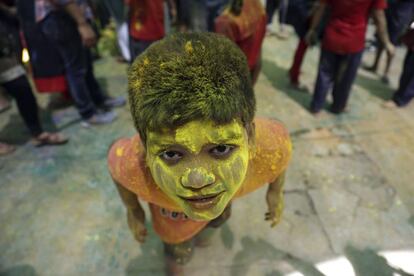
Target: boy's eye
222, 150
171, 156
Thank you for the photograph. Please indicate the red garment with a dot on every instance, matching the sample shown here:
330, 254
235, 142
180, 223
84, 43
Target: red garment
345, 31
146, 20
247, 30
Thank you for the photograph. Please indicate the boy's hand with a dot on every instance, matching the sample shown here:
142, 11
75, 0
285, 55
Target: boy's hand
136, 223
275, 207
274, 199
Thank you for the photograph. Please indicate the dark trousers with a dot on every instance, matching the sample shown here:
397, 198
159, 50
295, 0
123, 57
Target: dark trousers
21, 91
337, 72
271, 7
405, 90
137, 47
61, 31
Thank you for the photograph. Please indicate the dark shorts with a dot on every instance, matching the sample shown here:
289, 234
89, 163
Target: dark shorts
181, 253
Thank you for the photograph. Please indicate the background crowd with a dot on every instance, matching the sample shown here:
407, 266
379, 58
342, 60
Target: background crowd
61, 37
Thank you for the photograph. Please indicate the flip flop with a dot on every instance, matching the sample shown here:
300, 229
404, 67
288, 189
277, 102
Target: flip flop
6, 149
49, 139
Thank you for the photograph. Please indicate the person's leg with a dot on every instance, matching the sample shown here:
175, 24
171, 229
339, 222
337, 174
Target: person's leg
137, 47
123, 41
62, 33
378, 53
4, 102
21, 91
345, 77
294, 71
181, 253
405, 92
212, 13
95, 91
326, 72
271, 6
254, 73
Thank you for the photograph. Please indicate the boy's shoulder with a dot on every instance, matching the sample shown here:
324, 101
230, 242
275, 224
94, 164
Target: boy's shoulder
126, 164
272, 153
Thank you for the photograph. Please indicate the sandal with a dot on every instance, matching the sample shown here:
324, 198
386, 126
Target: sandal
6, 149
49, 139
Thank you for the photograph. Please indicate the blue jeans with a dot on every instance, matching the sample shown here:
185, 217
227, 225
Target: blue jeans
337, 71
61, 31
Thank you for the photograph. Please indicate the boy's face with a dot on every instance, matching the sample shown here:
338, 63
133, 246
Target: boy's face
199, 165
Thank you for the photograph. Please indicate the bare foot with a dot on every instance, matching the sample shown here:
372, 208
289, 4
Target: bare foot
390, 104
49, 139
6, 148
369, 68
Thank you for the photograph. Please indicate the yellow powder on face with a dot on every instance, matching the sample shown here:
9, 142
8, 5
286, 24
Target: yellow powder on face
194, 135
198, 167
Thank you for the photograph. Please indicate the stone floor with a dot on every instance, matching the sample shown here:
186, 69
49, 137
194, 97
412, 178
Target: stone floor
349, 190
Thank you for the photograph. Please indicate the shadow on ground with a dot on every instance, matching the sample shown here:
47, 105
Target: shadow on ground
365, 262
374, 86
20, 270
16, 132
278, 78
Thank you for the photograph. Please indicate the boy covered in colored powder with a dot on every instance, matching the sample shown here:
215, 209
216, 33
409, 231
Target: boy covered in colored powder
199, 146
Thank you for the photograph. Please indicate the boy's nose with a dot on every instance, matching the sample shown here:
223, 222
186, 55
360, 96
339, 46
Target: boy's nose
197, 178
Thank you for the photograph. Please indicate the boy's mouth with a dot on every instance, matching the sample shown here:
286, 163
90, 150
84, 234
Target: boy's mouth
203, 202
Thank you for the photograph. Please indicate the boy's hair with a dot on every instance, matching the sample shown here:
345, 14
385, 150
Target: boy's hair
186, 77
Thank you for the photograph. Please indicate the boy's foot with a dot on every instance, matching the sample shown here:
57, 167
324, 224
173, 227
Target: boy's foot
112, 102
390, 104
385, 79
300, 87
369, 68
6, 149
100, 119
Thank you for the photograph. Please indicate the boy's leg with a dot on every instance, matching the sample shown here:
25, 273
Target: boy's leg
180, 253
20, 90
327, 68
347, 71
97, 95
405, 90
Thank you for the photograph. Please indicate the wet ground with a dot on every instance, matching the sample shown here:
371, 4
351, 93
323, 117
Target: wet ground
349, 190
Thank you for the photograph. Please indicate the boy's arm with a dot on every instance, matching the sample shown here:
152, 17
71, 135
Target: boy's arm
381, 24
135, 213
274, 199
